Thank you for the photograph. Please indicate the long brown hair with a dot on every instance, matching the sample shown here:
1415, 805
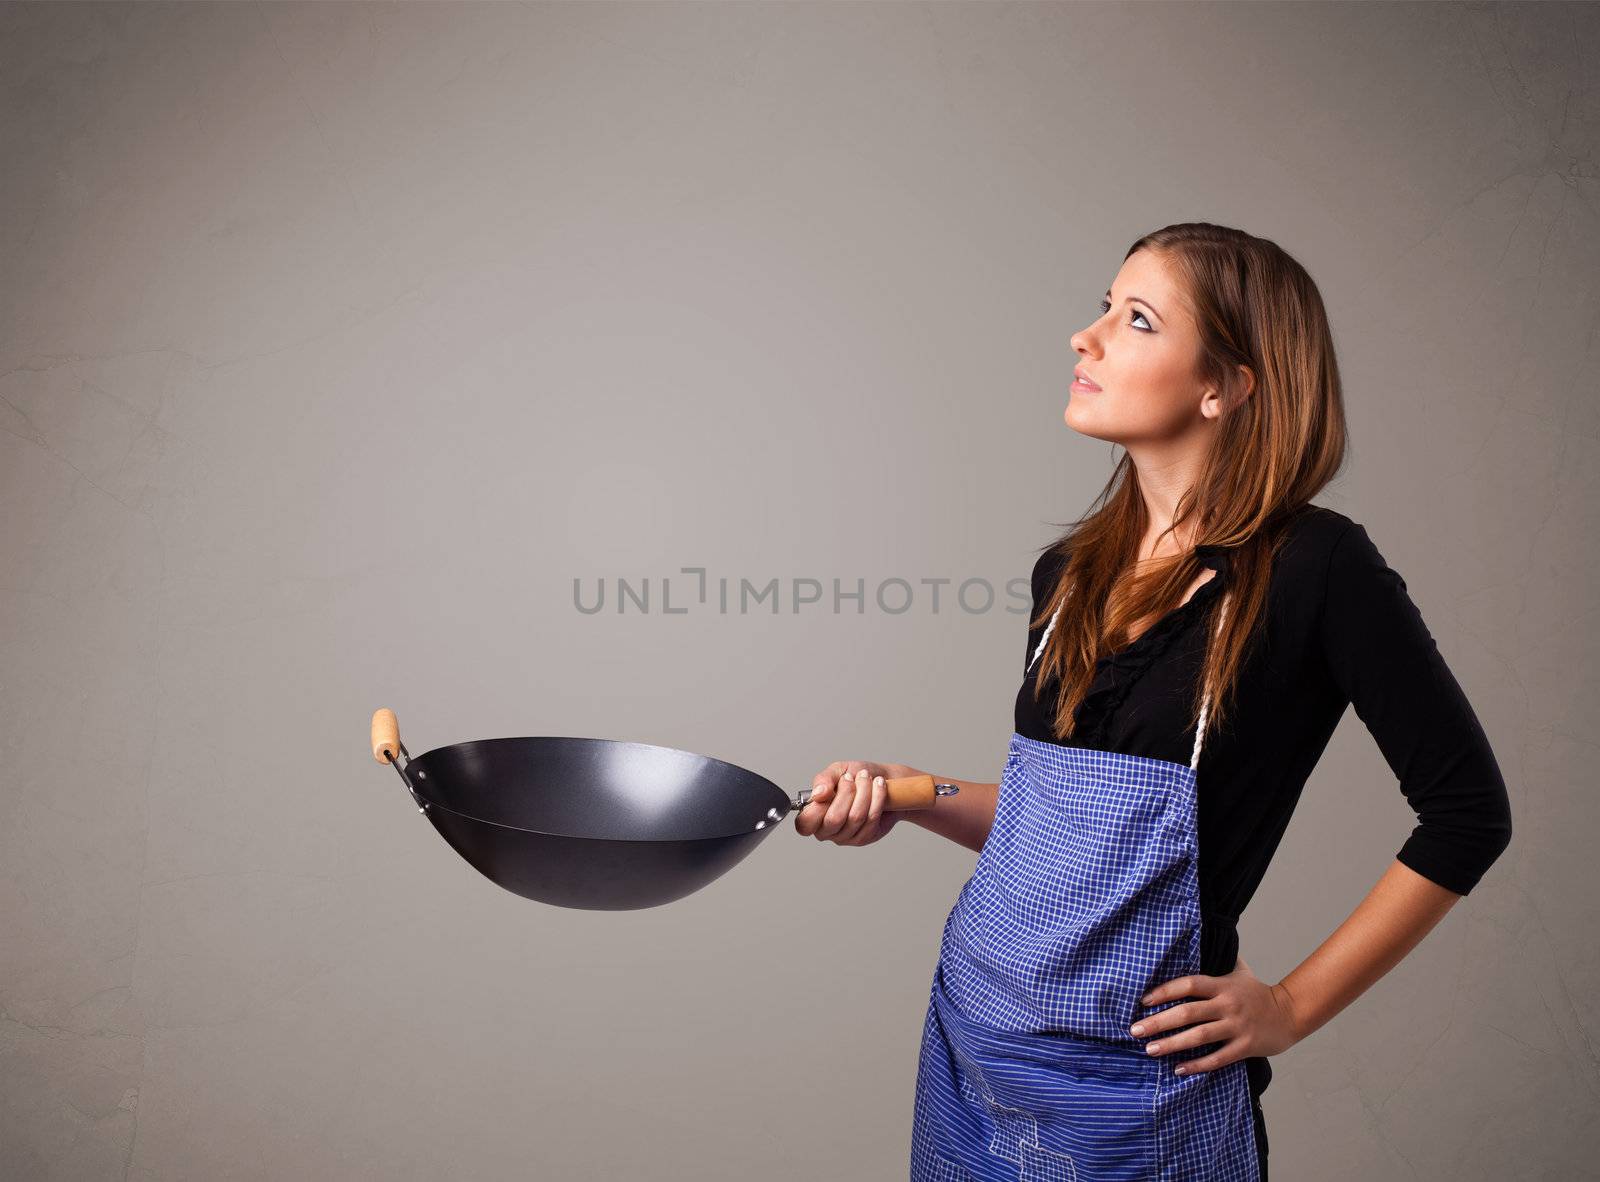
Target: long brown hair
1274, 449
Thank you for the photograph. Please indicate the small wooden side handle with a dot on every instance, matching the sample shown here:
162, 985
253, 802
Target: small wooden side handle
385, 736
910, 792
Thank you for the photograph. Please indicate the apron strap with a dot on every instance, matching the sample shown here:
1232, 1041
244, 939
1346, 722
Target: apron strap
1049, 629
1205, 705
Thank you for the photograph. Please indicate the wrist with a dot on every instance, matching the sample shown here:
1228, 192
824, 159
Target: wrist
1286, 1005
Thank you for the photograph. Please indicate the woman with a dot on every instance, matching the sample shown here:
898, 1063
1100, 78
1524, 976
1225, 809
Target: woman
1194, 642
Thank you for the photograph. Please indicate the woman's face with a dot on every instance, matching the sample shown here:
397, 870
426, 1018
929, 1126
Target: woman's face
1143, 355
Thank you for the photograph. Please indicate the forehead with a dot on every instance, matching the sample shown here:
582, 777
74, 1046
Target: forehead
1145, 273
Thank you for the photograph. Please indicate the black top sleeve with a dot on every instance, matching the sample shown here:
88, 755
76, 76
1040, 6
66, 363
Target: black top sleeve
1383, 658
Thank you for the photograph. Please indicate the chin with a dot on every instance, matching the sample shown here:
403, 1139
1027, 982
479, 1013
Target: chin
1076, 423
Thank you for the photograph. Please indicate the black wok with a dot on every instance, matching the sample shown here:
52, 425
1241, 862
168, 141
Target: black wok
597, 823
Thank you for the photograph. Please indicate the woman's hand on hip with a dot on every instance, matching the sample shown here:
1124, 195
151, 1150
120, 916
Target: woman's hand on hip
847, 800
1245, 1014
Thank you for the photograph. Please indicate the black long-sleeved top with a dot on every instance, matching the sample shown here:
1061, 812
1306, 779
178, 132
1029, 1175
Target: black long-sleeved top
1340, 630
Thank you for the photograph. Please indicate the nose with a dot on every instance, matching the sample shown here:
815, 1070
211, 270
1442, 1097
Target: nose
1086, 341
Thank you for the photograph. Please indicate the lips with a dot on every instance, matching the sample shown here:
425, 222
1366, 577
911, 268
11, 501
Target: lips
1083, 382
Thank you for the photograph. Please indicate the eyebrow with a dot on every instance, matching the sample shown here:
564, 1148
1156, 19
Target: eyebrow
1139, 300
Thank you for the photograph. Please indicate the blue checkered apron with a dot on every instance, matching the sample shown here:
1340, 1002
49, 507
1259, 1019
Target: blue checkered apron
1084, 897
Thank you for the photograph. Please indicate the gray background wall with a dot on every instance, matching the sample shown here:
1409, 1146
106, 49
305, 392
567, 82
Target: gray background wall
337, 341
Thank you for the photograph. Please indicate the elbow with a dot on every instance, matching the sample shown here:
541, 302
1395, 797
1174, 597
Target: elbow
1490, 840
1457, 854
1495, 835
1501, 834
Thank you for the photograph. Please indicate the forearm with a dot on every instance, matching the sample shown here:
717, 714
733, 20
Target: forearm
964, 818
1401, 909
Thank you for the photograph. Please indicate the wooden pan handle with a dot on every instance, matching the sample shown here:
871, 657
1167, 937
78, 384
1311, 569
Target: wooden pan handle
385, 736
909, 792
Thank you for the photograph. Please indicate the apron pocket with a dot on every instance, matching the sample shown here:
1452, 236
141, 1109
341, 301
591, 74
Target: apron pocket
1045, 1165
945, 1170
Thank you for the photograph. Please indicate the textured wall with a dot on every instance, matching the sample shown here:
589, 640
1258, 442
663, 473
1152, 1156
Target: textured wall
336, 341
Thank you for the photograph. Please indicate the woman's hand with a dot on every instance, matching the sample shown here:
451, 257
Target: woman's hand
1244, 1013
847, 800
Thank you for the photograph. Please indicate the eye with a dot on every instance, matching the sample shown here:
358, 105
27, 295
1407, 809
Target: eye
1105, 306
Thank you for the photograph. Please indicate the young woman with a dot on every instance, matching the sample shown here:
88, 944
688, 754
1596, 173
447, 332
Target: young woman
1194, 642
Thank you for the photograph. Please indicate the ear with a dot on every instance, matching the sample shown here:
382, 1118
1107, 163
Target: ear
1212, 402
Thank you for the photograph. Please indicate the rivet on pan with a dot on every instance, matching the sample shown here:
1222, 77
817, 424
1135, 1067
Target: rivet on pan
421, 775
772, 815
761, 824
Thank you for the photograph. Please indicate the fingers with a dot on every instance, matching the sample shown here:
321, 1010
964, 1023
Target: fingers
1172, 1019
868, 787
838, 813
1197, 985
1209, 1062
860, 797
1213, 1032
821, 816
1196, 1024
848, 798
822, 789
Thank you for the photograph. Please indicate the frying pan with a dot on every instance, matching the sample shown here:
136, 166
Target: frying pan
599, 824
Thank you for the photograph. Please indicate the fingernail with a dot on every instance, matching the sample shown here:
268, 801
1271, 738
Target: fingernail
1153, 1048
1180, 1071
1136, 1030
876, 780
